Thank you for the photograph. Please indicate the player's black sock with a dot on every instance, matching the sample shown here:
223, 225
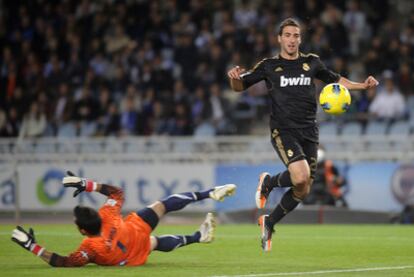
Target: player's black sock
287, 204
281, 180
178, 201
170, 242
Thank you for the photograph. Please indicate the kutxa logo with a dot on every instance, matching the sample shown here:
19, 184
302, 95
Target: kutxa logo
49, 188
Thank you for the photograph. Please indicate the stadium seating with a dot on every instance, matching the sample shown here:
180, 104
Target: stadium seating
399, 128
328, 128
374, 128
67, 130
352, 128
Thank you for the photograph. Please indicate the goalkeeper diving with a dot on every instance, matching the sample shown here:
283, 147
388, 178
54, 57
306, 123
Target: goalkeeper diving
114, 240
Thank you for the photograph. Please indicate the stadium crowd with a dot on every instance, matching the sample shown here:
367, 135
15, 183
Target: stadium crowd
116, 68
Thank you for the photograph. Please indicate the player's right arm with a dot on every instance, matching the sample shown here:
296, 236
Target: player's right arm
115, 195
27, 241
240, 79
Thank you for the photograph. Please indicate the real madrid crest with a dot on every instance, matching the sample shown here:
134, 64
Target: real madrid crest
305, 67
290, 153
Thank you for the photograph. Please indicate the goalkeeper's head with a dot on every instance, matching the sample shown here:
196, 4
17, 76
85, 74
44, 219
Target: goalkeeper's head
88, 220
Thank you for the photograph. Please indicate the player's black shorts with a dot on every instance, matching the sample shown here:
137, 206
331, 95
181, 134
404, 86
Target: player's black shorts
297, 144
149, 216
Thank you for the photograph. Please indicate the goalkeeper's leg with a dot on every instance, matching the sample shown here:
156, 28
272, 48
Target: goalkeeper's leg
168, 243
153, 213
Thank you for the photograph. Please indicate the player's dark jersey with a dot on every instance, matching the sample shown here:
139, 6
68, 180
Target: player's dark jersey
291, 88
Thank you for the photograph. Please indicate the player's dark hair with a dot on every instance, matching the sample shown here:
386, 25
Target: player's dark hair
88, 219
288, 22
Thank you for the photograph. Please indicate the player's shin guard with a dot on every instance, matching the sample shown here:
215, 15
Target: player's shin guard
168, 243
178, 201
281, 180
286, 205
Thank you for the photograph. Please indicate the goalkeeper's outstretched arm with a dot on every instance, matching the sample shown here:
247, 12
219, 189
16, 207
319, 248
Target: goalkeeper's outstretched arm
27, 240
83, 184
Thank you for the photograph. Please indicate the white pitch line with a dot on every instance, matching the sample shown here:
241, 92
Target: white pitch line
235, 236
321, 271
281, 237
52, 234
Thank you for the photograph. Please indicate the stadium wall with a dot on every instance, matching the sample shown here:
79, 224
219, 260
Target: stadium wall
372, 186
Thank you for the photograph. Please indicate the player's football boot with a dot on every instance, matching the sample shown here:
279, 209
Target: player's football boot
207, 229
266, 233
220, 192
263, 190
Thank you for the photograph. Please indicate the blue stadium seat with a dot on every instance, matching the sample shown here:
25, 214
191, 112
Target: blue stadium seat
91, 147
328, 128
410, 104
376, 128
45, 148
183, 146
399, 128
352, 128
398, 133
205, 130
88, 129
67, 130
135, 146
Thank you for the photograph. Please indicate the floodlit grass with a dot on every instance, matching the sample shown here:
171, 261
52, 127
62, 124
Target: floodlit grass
236, 251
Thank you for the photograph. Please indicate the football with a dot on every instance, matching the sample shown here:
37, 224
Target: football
335, 99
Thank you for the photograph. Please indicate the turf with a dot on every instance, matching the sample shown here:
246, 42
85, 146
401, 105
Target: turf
236, 251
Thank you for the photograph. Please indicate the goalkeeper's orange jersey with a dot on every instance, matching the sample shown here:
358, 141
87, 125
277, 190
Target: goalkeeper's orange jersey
123, 241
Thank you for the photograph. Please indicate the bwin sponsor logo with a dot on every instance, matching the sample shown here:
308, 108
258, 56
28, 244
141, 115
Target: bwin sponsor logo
295, 81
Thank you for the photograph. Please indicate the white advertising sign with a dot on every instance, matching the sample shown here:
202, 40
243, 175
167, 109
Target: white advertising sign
7, 186
41, 188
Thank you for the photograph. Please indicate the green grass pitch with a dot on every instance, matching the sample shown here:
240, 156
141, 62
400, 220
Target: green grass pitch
298, 250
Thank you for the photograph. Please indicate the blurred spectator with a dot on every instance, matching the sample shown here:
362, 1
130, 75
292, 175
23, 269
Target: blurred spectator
181, 122
219, 110
168, 50
74, 70
245, 15
362, 103
63, 109
200, 107
180, 93
388, 104
12, 125
3, 122
129, 117
328, 186
19, 101
406, 79
86, 108
34, 122
355, 23
337, 34
110, 123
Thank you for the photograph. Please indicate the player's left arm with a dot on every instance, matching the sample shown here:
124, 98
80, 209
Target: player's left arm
27, 241
328, 76
369, 82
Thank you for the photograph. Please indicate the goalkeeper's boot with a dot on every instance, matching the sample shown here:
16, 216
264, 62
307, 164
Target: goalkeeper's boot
219, 192
266, 233
207, 229
263, 190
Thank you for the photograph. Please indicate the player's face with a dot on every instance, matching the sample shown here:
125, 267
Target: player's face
290, 40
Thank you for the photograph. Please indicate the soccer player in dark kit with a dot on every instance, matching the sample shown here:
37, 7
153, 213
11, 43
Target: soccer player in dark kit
294, 131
